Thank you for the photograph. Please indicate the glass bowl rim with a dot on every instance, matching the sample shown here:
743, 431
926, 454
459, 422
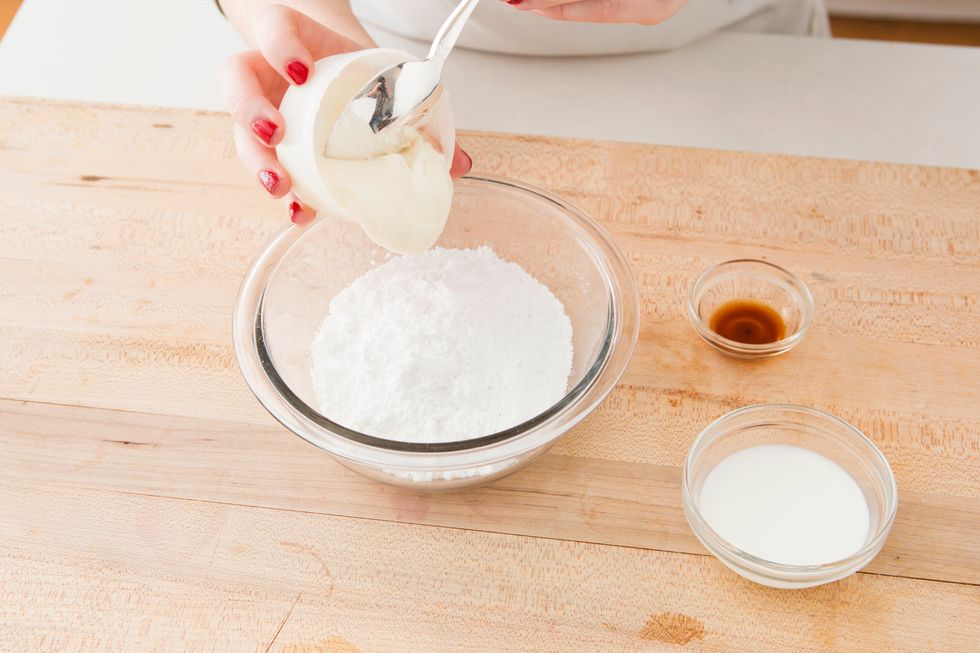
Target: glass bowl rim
777, 569
706, 332
623, 312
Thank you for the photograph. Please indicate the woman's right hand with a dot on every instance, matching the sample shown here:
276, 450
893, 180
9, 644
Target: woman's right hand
253, 83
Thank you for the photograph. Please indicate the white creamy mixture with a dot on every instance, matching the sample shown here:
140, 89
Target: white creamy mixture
401, 198
786, 504
353, 139
396, 184
449, 345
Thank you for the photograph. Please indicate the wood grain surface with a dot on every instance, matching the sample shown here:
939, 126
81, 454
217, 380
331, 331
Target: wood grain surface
147, 502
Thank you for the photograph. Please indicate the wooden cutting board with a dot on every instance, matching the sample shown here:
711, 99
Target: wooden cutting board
147, 502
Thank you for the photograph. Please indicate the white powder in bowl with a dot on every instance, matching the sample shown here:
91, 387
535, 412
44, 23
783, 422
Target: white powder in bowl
449, 345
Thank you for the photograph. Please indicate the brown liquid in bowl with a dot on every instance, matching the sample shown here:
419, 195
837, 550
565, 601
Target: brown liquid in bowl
748, 321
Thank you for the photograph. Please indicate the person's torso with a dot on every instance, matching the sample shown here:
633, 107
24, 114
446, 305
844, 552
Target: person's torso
498, 27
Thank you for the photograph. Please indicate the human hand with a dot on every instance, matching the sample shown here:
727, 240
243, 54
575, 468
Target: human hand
646, 12
253, 84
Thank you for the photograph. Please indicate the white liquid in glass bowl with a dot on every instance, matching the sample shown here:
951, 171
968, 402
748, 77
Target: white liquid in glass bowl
786, 504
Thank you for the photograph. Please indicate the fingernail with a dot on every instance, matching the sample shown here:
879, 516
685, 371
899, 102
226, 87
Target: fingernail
294, 208
515, 2
298, 72
270, 180
469, 160
265, 130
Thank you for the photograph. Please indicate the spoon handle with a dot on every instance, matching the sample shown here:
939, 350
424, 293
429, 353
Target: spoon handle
449, 33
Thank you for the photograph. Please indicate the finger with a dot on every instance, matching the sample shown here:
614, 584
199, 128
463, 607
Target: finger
536, 4
246, 98
300, 214
606, 11
261, 162
462, 163
285, 37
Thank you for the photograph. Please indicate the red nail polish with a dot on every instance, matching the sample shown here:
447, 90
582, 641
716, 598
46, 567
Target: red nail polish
298, 72
264, 129
469, 160
515, 2
294, 209
270, 180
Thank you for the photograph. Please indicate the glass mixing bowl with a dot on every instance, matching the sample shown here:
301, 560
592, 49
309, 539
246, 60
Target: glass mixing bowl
288, 289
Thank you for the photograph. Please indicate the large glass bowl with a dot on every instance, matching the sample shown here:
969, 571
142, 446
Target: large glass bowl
288, 289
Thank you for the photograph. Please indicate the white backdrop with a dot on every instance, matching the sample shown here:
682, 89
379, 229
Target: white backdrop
835, 98
155, 52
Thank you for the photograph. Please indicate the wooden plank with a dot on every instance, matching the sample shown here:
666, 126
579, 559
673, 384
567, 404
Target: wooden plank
910, 31
124, 233
172, 334
170, 157
566, 497
8, 9
119, 572
106, 305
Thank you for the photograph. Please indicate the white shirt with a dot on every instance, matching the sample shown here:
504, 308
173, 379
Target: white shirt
497, 27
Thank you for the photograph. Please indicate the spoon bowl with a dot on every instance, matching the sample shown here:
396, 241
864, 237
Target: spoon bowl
399, 95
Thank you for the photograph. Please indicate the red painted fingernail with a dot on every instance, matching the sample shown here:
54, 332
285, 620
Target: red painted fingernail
515, 2
265, 130
270, 180
298, 72
294, 209
469, 160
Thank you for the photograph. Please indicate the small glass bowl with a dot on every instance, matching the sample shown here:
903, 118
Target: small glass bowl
288, 290
755, 280
810, 429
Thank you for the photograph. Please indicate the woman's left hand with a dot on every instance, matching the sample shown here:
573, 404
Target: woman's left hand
646, 12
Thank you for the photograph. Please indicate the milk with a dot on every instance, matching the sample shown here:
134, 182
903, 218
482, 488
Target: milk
786, 504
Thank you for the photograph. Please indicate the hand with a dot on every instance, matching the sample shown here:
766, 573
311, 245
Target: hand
254, 82
646, 12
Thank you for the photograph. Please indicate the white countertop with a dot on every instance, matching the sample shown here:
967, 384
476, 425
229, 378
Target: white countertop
834, 98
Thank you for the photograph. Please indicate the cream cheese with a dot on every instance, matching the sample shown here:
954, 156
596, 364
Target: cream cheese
401, 199
396, 184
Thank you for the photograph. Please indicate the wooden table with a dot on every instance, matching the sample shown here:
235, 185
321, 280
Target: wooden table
147, 502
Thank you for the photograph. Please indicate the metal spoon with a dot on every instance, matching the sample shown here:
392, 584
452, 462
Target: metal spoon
405, 91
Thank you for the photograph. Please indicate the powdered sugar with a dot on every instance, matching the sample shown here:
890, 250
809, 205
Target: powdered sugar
449, 345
